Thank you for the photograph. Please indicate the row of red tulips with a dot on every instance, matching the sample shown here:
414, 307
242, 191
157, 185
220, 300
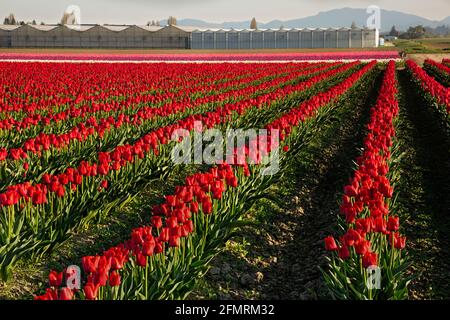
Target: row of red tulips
162, 260
126, 98
435, 92
124, 101
438, 70
30, 88
371, 237
151, 141
131, 108
47, 152
43, 215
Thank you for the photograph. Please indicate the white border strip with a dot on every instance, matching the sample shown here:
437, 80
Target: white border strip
193, 61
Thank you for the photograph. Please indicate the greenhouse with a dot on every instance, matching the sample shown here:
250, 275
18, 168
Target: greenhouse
179, 37
284, 38
94, 36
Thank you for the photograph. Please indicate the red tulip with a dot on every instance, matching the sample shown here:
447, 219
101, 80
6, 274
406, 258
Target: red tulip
3, 154
114, 279
194, 207
60, 192
370, 259
141, 260
91, 291
90, 263
344, 253
362, 246
50, 294
156, 222
400, 243
174, 241
330, 244
55, 278
207, 206
66, 294
171, 200
101, 277
104, 184
148, 247
393, 223
350, 191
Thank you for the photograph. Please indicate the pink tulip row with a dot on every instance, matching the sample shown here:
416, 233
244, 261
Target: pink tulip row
350, 55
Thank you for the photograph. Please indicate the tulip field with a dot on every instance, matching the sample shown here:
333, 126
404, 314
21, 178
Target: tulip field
93, 207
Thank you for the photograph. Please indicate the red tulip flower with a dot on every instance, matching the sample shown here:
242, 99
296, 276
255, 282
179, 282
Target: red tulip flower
344, 253
141, 260
91, 291
370, 259
55, 278
114, 279
207, 206
330, 244
393, 223
66, 294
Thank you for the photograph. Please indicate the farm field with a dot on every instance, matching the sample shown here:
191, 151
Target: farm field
425, 45
346, 169
83, 51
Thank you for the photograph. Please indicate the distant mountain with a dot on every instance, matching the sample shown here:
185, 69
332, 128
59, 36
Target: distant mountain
333, 18
446, 21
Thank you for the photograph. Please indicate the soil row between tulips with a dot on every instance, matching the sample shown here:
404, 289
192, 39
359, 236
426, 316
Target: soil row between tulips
423, 200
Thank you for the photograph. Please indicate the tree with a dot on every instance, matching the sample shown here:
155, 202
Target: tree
34, 22
11, 20
253, 24
172, 21
393, 32
354, 26
416, 32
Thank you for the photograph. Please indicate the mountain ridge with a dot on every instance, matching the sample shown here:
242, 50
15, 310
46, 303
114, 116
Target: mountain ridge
342, 17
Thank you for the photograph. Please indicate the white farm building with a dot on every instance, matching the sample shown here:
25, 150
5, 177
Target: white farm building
284, 38
180, 37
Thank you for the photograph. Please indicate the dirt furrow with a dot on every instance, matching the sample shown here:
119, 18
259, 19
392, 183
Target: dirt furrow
424, 193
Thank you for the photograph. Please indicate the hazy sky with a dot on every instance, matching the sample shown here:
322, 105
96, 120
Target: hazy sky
141, 11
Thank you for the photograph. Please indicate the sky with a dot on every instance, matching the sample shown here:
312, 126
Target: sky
142, 11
